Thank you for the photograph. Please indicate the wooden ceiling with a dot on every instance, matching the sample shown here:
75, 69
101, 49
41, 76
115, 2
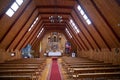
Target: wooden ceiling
47, 8
103, 33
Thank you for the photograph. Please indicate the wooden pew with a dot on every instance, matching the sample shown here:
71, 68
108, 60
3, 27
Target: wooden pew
25, 69
18, 76
19, 67
82, 66
77, 60
105, 76
29, 73
86, 65
77, 71
7, 72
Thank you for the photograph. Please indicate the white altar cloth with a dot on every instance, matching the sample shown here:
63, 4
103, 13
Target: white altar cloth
55, 53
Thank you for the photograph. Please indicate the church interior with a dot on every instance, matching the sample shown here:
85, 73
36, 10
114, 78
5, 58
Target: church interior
59, 39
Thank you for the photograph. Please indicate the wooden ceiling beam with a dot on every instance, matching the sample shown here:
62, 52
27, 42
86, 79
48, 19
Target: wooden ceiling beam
54, 24
87, 29
32, 32
110, 27
54, 6
71, 40
81, 30
48, 21
87, 32
79, 34
53, 13
55, 28
19, 32
38, 39
32, 36
36, 33
26, 37
101, 36
74, 36
14, 22
47, 18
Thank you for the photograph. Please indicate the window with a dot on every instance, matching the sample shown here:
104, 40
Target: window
19, 1
84, 15
68, 33
74, 26
14, 7
88, 21
10, 12
33, 24
40, 32
82, 12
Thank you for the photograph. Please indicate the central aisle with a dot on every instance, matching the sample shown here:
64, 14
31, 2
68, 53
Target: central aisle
55, 72
46, 72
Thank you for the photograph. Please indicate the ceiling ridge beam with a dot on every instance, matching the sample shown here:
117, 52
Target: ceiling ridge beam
55, 6
60, 13
48, 18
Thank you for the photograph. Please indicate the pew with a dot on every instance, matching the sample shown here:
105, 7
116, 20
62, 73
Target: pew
23, 69
105, 76
89, 66
29, 73
19, 67
25, 76
27, 60
77, 71
81, 66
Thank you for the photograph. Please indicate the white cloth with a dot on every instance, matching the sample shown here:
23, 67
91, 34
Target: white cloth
54, 54
73, 54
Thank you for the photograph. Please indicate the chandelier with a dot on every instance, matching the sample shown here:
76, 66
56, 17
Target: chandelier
55, 19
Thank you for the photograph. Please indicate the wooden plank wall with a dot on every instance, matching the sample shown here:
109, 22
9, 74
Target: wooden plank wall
105, 55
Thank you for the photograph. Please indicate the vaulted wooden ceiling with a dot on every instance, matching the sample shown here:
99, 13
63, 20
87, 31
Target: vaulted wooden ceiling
103, 32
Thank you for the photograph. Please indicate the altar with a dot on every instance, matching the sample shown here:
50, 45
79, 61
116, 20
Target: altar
57, 53
54, 47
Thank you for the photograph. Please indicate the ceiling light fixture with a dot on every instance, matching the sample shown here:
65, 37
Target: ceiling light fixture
55, 18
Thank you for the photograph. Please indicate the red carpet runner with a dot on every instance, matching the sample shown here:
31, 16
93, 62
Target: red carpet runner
55, 74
